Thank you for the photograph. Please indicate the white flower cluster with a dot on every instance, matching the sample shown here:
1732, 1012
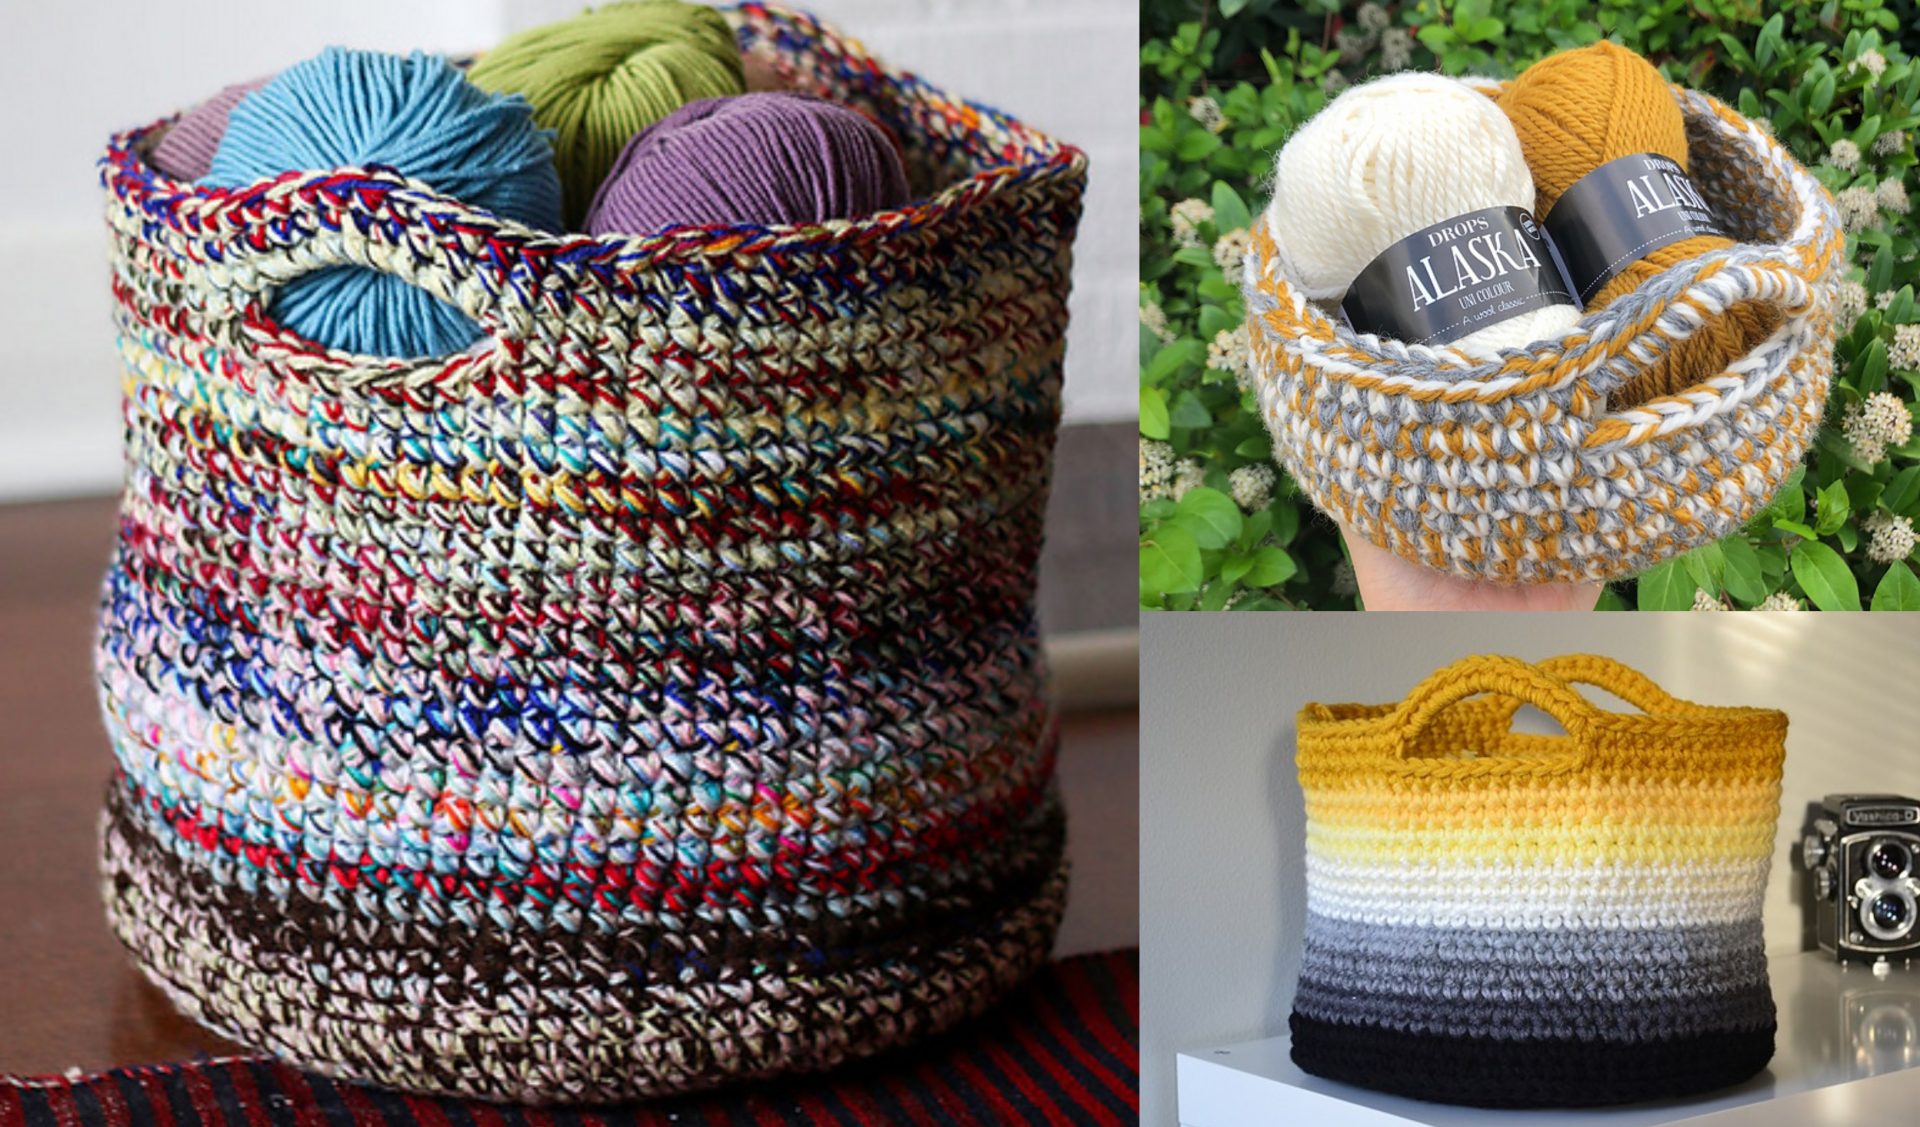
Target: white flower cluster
1844, 154
1396, 48
1373, 16
1206, 111
1890, 537
1333, 82
1232, 351
1890, 142
1230, 250
1252, 486
1905, 351
1344, 581
1704, 601
1353, 43
1871, 61
1883, 300
1892, 195
1187, 216
1188, 475
1848, 304
1875, 423
1156, 469
1780, 600
1858, 210
1155, 319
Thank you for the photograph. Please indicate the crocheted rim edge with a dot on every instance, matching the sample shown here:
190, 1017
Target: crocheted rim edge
1345, 730
125, 172
1531, 368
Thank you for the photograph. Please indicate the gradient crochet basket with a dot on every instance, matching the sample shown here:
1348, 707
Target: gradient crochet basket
1502, 918
1512, 470
645, 698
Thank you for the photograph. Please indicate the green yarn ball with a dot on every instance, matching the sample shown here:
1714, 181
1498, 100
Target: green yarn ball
604, 75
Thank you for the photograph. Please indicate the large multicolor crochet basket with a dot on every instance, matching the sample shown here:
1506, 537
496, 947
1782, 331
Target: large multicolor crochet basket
1512, 470
1504, 918
645, 698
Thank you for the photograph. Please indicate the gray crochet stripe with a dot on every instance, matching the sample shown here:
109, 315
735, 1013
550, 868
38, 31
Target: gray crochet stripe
1602, 984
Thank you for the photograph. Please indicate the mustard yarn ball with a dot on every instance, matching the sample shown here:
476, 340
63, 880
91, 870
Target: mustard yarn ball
601, 77
1575, 111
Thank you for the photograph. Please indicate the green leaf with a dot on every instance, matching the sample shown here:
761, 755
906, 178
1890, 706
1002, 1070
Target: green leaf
1902, 494
1822, 94
1259, 448
1231, 8
1898, 589
1256, 528
1215, 596
1196, 146
1873, 369
1234, 568
1798, 529
1666, 586
1703, 566
1154, 422
1172, 358
1740, 570
1229, 210
1271, 566
1189, 412
1832, 509
1212, 515
1825, 577
1169, 562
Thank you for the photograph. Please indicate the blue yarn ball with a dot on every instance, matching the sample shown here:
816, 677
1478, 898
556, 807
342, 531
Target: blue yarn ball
417, 114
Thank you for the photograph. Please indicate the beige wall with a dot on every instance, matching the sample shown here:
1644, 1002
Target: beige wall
1223, 889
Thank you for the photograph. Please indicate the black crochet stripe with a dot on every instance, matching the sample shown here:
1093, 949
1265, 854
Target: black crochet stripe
1557, 1072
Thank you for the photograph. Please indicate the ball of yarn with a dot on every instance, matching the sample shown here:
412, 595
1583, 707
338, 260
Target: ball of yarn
1579, 109
419, 115
604, 75
185, 151
752, 159
1384, 160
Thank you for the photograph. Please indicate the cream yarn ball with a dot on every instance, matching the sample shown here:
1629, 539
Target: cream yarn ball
1380, 162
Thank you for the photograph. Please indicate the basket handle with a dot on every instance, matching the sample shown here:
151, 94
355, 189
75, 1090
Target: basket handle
361, 218
1623, 681
1506, 676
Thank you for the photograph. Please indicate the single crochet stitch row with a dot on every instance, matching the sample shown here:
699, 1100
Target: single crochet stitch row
1514, 470
646, 698
1525, 920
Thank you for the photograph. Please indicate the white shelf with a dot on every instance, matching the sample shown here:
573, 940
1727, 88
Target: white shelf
1847, 1055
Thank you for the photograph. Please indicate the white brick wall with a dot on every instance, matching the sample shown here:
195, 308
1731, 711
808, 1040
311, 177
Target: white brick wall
78, 71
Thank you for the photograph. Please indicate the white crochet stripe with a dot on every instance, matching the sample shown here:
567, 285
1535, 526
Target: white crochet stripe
1410, 890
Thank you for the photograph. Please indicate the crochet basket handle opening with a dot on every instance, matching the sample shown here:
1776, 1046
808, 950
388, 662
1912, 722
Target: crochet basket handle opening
1501, 677
1610, 676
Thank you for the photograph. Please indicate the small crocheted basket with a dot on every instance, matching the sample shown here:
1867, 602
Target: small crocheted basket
645, 698
1512, 470
1508, 919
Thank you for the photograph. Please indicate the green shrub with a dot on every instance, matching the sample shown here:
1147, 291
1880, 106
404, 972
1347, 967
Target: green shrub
1223, 84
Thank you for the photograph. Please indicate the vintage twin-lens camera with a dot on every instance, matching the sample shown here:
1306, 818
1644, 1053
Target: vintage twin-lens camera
1864, 852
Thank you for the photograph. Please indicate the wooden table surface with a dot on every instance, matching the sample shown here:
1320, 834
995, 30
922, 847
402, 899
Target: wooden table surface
68, 995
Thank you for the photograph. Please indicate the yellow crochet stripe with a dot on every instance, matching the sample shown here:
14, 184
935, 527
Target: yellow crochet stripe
1440, 775
1583, 802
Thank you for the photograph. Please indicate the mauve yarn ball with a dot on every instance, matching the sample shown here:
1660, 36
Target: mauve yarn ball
755, 159
185, 150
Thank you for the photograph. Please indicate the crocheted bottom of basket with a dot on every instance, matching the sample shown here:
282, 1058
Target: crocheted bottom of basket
1535, 1072
538, 1016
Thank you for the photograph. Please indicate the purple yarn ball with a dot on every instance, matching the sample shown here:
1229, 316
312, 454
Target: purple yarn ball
185, 151
753, 159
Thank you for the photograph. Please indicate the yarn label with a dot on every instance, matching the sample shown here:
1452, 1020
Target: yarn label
1621, 212
1454, 278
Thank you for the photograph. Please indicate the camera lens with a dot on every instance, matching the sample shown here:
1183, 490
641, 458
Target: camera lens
1889, 911
1889, 860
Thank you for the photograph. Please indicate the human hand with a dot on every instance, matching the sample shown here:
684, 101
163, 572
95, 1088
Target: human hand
1388, 582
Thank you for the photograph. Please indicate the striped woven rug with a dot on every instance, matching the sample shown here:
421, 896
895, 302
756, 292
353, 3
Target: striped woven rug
1063, 1051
